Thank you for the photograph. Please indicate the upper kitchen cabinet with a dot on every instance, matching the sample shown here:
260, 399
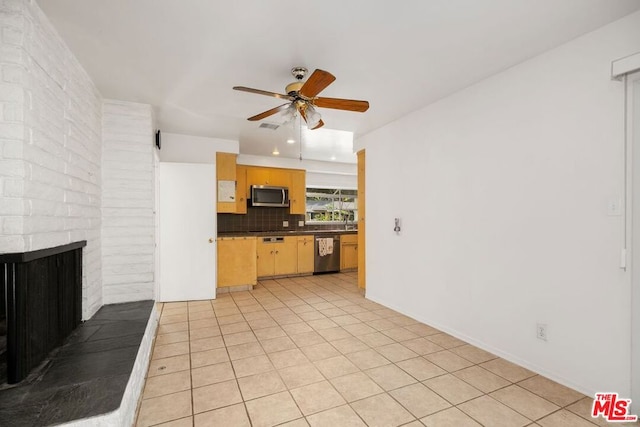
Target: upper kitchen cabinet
267, 176
232, 184
293, 179
241, 189
298, 192
226, 180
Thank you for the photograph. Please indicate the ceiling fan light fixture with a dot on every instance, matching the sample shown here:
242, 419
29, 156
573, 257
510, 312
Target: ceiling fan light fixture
289, 115
313, 117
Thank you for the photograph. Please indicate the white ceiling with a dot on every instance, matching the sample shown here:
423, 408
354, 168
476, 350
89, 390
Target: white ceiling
184, 56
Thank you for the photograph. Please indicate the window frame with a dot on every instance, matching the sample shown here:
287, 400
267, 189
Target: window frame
337, 194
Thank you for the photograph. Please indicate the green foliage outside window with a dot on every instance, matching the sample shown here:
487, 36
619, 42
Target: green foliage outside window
332, 205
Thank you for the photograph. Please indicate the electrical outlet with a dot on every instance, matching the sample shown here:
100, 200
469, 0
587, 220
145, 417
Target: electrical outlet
541, 331
285, 224
300, 223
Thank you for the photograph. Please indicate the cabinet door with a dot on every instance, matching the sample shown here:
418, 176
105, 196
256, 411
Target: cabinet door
241, 189
236, 261
279, 177
257, 176
226, 171
298, 193
348, 256
286, 257
305, 254
348, 251
265, 258
226, 166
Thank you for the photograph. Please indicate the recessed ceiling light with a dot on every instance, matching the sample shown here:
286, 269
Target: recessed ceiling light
275, 152
333, 157
291, 141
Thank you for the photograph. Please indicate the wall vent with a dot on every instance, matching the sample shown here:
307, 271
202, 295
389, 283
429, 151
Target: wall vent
271, 126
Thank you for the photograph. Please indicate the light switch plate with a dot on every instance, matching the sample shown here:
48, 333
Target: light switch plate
285, 223
300, 223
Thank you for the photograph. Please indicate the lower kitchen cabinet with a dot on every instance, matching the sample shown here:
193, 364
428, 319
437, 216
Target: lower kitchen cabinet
305, 254
348, 251
236, 261
277, 256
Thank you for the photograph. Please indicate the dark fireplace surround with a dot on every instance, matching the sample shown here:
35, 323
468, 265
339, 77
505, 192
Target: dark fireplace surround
40, 303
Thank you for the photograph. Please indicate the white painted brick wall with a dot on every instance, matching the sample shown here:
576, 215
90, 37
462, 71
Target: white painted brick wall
128, 219
50, 144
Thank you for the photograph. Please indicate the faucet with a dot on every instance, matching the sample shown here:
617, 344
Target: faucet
347, 227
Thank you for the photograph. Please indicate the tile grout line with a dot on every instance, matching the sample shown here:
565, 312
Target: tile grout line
281, 297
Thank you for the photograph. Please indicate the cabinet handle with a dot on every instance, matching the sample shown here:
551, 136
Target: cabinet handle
271, 252
276, 252
356, 247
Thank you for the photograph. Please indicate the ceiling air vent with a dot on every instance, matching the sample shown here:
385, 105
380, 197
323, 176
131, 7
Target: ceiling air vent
271, 126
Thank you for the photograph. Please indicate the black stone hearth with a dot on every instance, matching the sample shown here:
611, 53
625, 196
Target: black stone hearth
41, 304
86, 376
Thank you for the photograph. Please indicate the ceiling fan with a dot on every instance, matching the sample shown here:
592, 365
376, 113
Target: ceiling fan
304, 99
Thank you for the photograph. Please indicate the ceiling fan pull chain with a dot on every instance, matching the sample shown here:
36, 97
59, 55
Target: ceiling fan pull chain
300, 139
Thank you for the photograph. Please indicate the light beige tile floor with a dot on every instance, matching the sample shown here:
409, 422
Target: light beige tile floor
312, 351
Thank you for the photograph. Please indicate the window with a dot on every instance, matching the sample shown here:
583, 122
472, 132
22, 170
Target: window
332, 205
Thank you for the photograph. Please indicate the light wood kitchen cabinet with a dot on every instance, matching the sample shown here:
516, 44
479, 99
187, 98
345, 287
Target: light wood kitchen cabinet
226, 166
277, 256
305, 254
348, 251
293, 179
241, 189
236, 261
298, 192
226, 171
257, 175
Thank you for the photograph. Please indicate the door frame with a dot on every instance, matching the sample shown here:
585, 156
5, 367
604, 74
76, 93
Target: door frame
633, 223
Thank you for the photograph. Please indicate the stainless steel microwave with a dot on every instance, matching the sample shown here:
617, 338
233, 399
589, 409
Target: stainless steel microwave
264, 195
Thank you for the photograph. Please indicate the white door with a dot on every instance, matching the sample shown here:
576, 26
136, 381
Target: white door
187, 232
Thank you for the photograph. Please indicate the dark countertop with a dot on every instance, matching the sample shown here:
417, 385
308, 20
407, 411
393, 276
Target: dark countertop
285, 233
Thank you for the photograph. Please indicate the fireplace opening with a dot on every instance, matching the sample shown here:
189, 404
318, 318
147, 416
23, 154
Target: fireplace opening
41, 306
3, 332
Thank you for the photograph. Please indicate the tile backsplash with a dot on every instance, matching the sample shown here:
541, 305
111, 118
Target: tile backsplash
265, 219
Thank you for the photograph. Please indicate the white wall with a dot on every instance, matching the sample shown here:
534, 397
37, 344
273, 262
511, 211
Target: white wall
319, 174
180, 148
503, 190
128, 202
196, 149
50, 133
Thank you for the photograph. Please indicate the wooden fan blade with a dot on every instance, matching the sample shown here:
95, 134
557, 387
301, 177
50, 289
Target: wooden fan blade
263, 92
319, 80
268, 113
342, 104
304, 116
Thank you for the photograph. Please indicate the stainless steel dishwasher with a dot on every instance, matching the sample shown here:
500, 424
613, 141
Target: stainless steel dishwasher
329, 262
